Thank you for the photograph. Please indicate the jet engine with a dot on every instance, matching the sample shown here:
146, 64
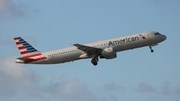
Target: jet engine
108, 53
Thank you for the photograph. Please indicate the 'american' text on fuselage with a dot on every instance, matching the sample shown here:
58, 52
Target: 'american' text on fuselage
123, 41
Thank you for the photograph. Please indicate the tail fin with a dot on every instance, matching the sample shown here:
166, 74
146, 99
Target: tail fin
26, 50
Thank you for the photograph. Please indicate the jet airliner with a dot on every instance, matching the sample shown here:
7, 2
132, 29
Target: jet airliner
106, 49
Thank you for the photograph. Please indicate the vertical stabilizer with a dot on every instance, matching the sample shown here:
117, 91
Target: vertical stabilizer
28, 52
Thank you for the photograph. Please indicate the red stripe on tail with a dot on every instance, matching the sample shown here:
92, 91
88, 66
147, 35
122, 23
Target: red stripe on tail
33, 55
15, 38
22, 47
37, 59
25, 52
17, 43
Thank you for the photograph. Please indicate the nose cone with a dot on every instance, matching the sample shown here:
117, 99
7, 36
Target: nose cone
163, 37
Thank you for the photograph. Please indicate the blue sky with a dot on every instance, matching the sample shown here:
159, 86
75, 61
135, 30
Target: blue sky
137, 75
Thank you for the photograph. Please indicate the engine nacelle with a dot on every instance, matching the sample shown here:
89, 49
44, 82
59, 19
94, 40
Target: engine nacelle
108, 53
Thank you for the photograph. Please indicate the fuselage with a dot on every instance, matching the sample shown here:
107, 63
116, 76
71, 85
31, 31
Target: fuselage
118, 44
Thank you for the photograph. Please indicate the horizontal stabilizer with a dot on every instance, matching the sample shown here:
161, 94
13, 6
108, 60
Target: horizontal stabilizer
25, 59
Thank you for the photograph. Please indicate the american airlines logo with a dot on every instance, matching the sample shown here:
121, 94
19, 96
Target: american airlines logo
142, 36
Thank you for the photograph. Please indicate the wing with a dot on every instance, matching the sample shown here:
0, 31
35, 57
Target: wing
88, 49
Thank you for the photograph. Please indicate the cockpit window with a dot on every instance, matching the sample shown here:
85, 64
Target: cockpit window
157, 33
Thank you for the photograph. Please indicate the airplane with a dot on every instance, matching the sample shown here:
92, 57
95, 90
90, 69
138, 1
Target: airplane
106, 49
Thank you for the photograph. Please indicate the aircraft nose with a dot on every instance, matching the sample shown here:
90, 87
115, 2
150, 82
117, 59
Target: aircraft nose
163, 37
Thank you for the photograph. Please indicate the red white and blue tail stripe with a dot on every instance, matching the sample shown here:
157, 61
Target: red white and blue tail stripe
29, 53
